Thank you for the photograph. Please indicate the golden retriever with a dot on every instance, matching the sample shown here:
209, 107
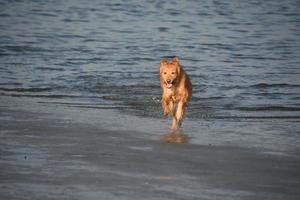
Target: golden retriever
176, 90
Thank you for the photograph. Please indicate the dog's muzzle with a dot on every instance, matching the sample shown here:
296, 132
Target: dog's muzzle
169, 84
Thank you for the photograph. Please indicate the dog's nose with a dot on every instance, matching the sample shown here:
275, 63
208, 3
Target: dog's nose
168, 81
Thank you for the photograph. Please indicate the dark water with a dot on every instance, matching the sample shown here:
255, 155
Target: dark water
243, 56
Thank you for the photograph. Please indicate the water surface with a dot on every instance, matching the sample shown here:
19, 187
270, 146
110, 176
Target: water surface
242, 56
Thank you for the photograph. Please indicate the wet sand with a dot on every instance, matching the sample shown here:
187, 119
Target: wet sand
46, 155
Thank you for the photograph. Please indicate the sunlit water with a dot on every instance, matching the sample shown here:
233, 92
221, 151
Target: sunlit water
243, 58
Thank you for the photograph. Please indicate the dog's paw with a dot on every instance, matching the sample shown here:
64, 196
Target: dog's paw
166, 112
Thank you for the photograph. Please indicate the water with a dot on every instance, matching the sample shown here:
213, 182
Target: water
242, 56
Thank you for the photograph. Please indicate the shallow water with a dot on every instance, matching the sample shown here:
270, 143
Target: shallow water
243, 59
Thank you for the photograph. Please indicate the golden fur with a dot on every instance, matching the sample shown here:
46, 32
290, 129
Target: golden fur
177, 90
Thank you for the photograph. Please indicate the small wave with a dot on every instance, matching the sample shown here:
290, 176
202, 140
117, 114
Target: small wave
50, 69
269, 85
37, 12
269, 108
103, 107
23, 48
196, 99
262, 119
258, 86
51, 96
85, 105
111, 98
254, 57
288, 117
12, 83
5, 15
219, 45
4, 54
163, 29
34, 89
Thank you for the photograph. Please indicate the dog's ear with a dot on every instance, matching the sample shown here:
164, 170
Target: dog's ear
178, 69
175, 60
162, 62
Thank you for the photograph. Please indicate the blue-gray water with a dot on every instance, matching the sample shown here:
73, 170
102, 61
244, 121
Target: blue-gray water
243, 57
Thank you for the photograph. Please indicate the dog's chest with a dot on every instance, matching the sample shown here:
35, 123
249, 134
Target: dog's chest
171, 95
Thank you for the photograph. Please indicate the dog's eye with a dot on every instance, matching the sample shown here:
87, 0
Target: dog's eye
173, 72
165, 72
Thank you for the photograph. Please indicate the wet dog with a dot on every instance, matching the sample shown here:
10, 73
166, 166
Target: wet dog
176, 90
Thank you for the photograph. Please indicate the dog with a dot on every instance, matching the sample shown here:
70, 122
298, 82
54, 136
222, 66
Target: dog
176, 90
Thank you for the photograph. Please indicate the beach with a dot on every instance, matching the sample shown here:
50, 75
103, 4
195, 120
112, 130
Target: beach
80, 100
51, 153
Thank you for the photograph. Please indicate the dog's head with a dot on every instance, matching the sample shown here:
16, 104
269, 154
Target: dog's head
170, 72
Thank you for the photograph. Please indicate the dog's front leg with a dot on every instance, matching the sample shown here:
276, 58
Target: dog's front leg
174, 124
172, 114
180, 112
165, 106
171, 108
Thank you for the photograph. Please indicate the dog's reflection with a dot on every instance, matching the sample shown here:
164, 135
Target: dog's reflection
175, 137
